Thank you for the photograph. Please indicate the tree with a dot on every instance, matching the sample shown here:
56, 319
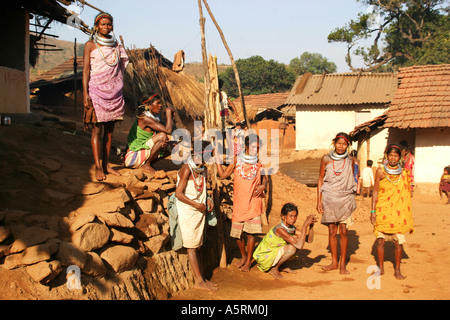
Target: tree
311, 62
402, 33
258, 76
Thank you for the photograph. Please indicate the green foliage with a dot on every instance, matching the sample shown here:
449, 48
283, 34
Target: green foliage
311, 62
257, 76
410, 32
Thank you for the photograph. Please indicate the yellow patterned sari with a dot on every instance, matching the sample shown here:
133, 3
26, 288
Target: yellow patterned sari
394, 204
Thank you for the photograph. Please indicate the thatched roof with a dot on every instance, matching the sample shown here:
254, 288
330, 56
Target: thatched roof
149, 76
188, 95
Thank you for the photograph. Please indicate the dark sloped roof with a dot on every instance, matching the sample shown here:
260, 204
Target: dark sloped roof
422, 99
268, 100
46, 8
60, 73
368, 126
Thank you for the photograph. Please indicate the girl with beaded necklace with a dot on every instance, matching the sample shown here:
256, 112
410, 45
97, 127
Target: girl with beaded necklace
192, 207
104, 62
248, 192
391, 206
148, 137
336, 188
282, 241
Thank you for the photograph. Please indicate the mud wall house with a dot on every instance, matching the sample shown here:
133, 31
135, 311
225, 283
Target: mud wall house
371, 140
420, 115
15, 56
330, 103
56, 87
265, 112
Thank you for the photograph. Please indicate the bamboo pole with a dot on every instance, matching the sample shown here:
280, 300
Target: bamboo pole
233, 64
75, 71
208, 120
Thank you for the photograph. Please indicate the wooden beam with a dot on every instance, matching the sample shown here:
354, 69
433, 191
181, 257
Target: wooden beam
233, 64
209, 121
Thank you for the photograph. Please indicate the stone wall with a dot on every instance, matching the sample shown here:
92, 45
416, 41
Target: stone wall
119, 241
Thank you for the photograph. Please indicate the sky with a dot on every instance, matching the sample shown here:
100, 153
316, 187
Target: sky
280, 30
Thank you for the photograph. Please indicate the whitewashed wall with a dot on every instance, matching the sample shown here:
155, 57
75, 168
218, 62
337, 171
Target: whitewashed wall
432, 154
316, 129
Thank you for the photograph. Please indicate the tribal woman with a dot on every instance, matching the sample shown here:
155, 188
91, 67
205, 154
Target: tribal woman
391, 206
105, 61
248, 193
148, 136
336, 202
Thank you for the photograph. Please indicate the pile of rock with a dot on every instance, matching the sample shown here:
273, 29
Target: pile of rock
113, 228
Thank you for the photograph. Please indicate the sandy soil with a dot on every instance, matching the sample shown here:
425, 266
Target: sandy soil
425, 262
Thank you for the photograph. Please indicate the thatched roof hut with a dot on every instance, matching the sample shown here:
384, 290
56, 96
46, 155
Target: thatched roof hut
151, 73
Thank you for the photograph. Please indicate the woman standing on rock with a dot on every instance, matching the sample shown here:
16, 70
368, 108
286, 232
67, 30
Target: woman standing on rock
336, 202
105, 61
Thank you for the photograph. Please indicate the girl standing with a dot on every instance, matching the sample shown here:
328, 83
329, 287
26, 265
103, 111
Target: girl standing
336, 189
444, 184
105, 61
249, 185
391, 206
191, 207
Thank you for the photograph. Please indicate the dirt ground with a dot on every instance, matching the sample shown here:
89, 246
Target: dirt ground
426, 252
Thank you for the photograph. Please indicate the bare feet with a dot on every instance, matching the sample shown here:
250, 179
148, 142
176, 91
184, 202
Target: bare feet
246, 267
398, 275
205, 286
147, 168
288, 270
110, 170
332, 266
99, 175
343, 270
212, 284
240, 263
276, 274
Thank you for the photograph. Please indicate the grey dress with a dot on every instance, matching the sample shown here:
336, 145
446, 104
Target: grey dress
338, 192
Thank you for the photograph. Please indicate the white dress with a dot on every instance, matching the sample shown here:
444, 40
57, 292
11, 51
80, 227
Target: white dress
190, 220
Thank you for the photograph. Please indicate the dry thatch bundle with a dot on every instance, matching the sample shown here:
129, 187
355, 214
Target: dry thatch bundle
148, 76
187, 94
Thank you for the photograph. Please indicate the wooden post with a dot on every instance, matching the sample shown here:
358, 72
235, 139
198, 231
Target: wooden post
209, 121
233, 64
75, 71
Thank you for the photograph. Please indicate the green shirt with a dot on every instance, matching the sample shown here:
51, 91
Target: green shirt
268, 248
138, 137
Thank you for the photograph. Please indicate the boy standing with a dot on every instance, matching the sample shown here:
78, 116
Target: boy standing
367, 179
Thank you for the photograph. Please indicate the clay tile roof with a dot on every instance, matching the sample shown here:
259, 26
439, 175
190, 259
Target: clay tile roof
343, 89
60, 73
269, 100
368, 126
422, 99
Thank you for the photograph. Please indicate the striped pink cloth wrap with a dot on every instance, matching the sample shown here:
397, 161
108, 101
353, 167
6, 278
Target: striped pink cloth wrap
106, 83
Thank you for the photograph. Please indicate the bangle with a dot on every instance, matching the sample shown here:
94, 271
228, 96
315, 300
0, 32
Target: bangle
373, 211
